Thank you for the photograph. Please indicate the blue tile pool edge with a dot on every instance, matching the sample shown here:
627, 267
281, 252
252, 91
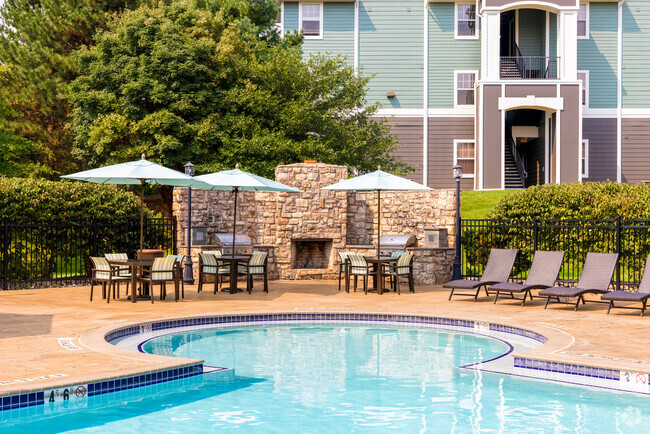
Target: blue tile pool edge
531, 367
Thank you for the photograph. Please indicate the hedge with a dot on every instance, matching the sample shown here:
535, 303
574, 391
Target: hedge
42, 200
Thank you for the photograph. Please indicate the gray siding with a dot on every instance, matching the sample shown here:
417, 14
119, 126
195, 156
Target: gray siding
338, 32
636, 150
636, 53
409, 132
532, 32
291, 19
442, 133
601, 134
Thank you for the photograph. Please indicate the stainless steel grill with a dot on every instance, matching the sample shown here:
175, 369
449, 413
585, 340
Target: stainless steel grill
243, 242
398, 242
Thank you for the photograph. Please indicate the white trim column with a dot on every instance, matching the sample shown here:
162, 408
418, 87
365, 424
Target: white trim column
619, 97
567, 46
491, 45
425, 98
356, 37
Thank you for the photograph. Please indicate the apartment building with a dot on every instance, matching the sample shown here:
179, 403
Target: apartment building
519, 92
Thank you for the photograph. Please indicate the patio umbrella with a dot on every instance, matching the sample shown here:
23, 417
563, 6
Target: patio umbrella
137, 172
377, 181
236, 180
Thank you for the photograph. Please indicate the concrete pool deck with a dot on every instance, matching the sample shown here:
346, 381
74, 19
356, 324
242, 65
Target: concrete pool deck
33, 321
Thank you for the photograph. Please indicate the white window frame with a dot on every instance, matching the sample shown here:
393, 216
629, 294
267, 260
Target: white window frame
456, 73
586, 87
322, 18
586, 35
456, 142
476, 20
584, 158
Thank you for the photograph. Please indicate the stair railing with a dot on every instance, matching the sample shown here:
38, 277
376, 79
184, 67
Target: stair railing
523, 174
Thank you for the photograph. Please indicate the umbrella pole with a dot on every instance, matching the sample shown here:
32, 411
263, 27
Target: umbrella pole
141, 216
378, 222
234, 224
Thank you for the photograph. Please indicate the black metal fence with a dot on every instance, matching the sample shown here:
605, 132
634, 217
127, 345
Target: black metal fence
628, 238
37, 254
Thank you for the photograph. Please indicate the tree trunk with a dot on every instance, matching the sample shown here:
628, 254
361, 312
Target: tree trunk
167, 194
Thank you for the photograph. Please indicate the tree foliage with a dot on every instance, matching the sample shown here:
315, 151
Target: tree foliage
186, 81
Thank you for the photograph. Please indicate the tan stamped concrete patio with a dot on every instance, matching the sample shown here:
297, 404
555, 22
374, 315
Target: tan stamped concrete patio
31, 321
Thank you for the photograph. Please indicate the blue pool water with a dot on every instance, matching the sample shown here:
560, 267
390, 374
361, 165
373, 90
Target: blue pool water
353, 379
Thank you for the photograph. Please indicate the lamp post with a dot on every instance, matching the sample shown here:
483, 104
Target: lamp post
188, 276
458, 173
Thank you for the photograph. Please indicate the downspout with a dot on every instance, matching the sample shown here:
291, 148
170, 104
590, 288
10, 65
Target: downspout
619, 96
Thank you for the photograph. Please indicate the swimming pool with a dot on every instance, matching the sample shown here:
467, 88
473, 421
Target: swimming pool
352, 378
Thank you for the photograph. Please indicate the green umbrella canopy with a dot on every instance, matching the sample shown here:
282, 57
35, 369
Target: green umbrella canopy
236, 180
377, 181
137, 172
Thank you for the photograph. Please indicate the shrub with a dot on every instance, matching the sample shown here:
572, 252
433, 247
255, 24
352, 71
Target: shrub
594, 200
42, 200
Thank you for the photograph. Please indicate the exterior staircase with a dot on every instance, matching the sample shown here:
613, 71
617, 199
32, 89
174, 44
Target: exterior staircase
509, 69
513, 181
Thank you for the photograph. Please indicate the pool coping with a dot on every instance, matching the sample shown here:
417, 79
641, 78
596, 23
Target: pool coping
534, 363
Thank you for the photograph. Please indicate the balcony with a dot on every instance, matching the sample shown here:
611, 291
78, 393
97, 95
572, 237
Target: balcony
529, 68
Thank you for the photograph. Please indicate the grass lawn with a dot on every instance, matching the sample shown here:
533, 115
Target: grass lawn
476, 204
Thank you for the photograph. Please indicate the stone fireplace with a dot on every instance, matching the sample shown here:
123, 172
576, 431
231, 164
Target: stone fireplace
312, 253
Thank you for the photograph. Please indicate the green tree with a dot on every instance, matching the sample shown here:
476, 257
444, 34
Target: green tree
37, 39
184, 82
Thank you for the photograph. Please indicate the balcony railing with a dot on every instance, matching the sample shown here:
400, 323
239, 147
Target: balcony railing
529, 67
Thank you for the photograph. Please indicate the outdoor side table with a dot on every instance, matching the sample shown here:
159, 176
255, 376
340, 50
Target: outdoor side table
379, 262
134, 264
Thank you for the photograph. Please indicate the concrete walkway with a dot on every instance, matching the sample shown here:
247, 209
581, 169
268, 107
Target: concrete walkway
32, 321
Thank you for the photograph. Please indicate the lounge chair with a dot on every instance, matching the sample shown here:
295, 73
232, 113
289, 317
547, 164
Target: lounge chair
498, 268
641, 296
595, 279
542, 275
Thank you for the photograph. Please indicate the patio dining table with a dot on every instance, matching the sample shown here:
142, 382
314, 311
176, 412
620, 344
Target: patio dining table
379, 262
234, 263
134, 265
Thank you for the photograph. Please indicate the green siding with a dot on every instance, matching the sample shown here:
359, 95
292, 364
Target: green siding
532, 32
291, 20
552, 43
391, 47
598, 55
447, 54
636, 53
338, 32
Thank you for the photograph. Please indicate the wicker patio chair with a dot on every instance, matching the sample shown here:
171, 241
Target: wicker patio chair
543, 272
498, 268
641, 296
179, 271
162, 270
343, 266
403, 267
595, 279
104, 273
210, 265
256, 265
359, 267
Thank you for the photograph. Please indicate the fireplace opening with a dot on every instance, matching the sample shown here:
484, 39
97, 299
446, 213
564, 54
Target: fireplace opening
311, 253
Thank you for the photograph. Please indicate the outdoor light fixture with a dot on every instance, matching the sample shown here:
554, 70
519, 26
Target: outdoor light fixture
458, 173
188, 274
390, 94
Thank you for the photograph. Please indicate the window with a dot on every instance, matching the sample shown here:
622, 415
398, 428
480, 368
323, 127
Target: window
466, 22
311, 20
584, 159
465, 156
464, 93
583, 22
583, 76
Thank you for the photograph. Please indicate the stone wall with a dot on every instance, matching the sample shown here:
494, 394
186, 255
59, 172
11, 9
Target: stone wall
274, 221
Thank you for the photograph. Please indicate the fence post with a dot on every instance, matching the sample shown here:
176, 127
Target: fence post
534, 234
618, 250
5, 252
174, 227
94, 229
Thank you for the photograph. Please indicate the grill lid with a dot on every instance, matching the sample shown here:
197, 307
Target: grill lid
225, 240
398, 241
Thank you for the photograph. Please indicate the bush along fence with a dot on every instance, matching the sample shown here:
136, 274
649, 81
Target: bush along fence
44, 254
628, 238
